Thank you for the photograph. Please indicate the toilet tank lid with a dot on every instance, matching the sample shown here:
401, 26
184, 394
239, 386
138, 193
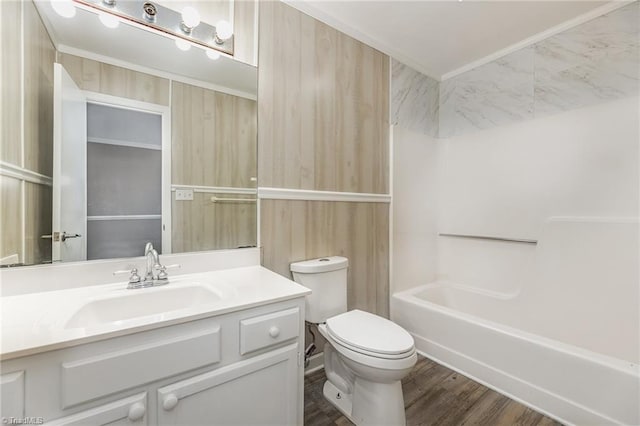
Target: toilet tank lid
322, 264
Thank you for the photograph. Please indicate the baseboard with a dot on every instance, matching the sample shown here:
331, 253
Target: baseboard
316, 362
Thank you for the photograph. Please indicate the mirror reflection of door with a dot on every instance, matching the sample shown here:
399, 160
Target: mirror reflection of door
68, 238
108, 175
124, 171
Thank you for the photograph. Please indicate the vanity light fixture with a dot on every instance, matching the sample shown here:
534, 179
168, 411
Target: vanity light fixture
145, 14
64, 8
190, 19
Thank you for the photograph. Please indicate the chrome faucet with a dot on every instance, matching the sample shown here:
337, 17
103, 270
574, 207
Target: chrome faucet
153, 263
155, 275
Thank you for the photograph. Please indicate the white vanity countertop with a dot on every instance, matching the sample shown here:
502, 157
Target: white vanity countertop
39, 322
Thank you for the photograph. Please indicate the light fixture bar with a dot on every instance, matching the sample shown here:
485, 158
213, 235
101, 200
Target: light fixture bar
165, 21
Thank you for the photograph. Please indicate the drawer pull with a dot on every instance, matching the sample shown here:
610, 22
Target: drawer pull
170, 402
136, 411
274, 332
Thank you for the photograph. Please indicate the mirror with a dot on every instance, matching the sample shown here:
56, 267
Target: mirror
163, 148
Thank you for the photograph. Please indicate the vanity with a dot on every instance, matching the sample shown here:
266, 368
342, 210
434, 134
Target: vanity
221, 343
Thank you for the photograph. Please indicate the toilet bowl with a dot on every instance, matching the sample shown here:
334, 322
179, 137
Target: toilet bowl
364, 379
365, 356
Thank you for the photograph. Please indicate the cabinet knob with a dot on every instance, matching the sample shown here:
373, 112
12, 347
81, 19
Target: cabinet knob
136, 411
274, 332
169, 402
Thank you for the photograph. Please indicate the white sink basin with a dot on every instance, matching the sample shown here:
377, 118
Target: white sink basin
144, 302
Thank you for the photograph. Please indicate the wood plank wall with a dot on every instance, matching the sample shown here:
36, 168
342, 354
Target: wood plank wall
244, 28
323, 125
323, 106
25, 210
11, 69
213, 143
111, 80
203, 225
297, 230
213, 138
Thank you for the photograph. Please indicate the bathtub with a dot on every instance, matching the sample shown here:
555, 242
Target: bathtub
565, 344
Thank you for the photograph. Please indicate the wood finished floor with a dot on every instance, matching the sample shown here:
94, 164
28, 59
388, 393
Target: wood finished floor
433, 395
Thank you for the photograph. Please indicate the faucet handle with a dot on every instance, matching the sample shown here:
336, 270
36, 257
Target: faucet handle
134, 278
162, 275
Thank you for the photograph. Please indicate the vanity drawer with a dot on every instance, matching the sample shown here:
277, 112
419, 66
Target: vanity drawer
267, 330
93, 377
128, 411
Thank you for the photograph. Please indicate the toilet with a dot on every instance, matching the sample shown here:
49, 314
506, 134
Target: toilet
365, 356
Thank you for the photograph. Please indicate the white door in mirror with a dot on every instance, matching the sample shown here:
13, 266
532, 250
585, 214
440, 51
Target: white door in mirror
69, 169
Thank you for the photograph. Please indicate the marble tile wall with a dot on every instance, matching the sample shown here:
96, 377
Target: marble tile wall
494, 94
595, 61
590, 63
415, 101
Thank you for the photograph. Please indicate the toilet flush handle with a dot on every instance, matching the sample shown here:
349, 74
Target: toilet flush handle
274, 331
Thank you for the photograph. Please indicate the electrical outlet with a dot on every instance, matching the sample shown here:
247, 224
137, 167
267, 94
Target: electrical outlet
184, 194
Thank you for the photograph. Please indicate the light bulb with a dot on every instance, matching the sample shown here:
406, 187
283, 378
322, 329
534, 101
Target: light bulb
190, 17
183, 44
224, 30
213, 54
64, 8
109, 21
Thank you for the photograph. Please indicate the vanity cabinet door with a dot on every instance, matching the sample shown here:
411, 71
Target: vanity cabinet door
130, 411
12, 391
258, 391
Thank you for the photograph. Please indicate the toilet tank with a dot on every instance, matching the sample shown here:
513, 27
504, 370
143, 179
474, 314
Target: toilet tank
326, 277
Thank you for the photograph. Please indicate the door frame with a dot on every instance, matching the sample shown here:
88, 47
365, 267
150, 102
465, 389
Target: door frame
165, 114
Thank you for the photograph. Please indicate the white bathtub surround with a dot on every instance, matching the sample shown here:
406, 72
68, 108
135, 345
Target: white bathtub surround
592, 63
507, 181
415, 100
564, 382
564, 342
554, 325
415, 208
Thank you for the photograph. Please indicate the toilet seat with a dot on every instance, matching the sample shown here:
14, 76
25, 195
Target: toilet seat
370, 335
407, 360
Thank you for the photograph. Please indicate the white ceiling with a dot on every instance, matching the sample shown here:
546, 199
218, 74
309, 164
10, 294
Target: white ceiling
440, 37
